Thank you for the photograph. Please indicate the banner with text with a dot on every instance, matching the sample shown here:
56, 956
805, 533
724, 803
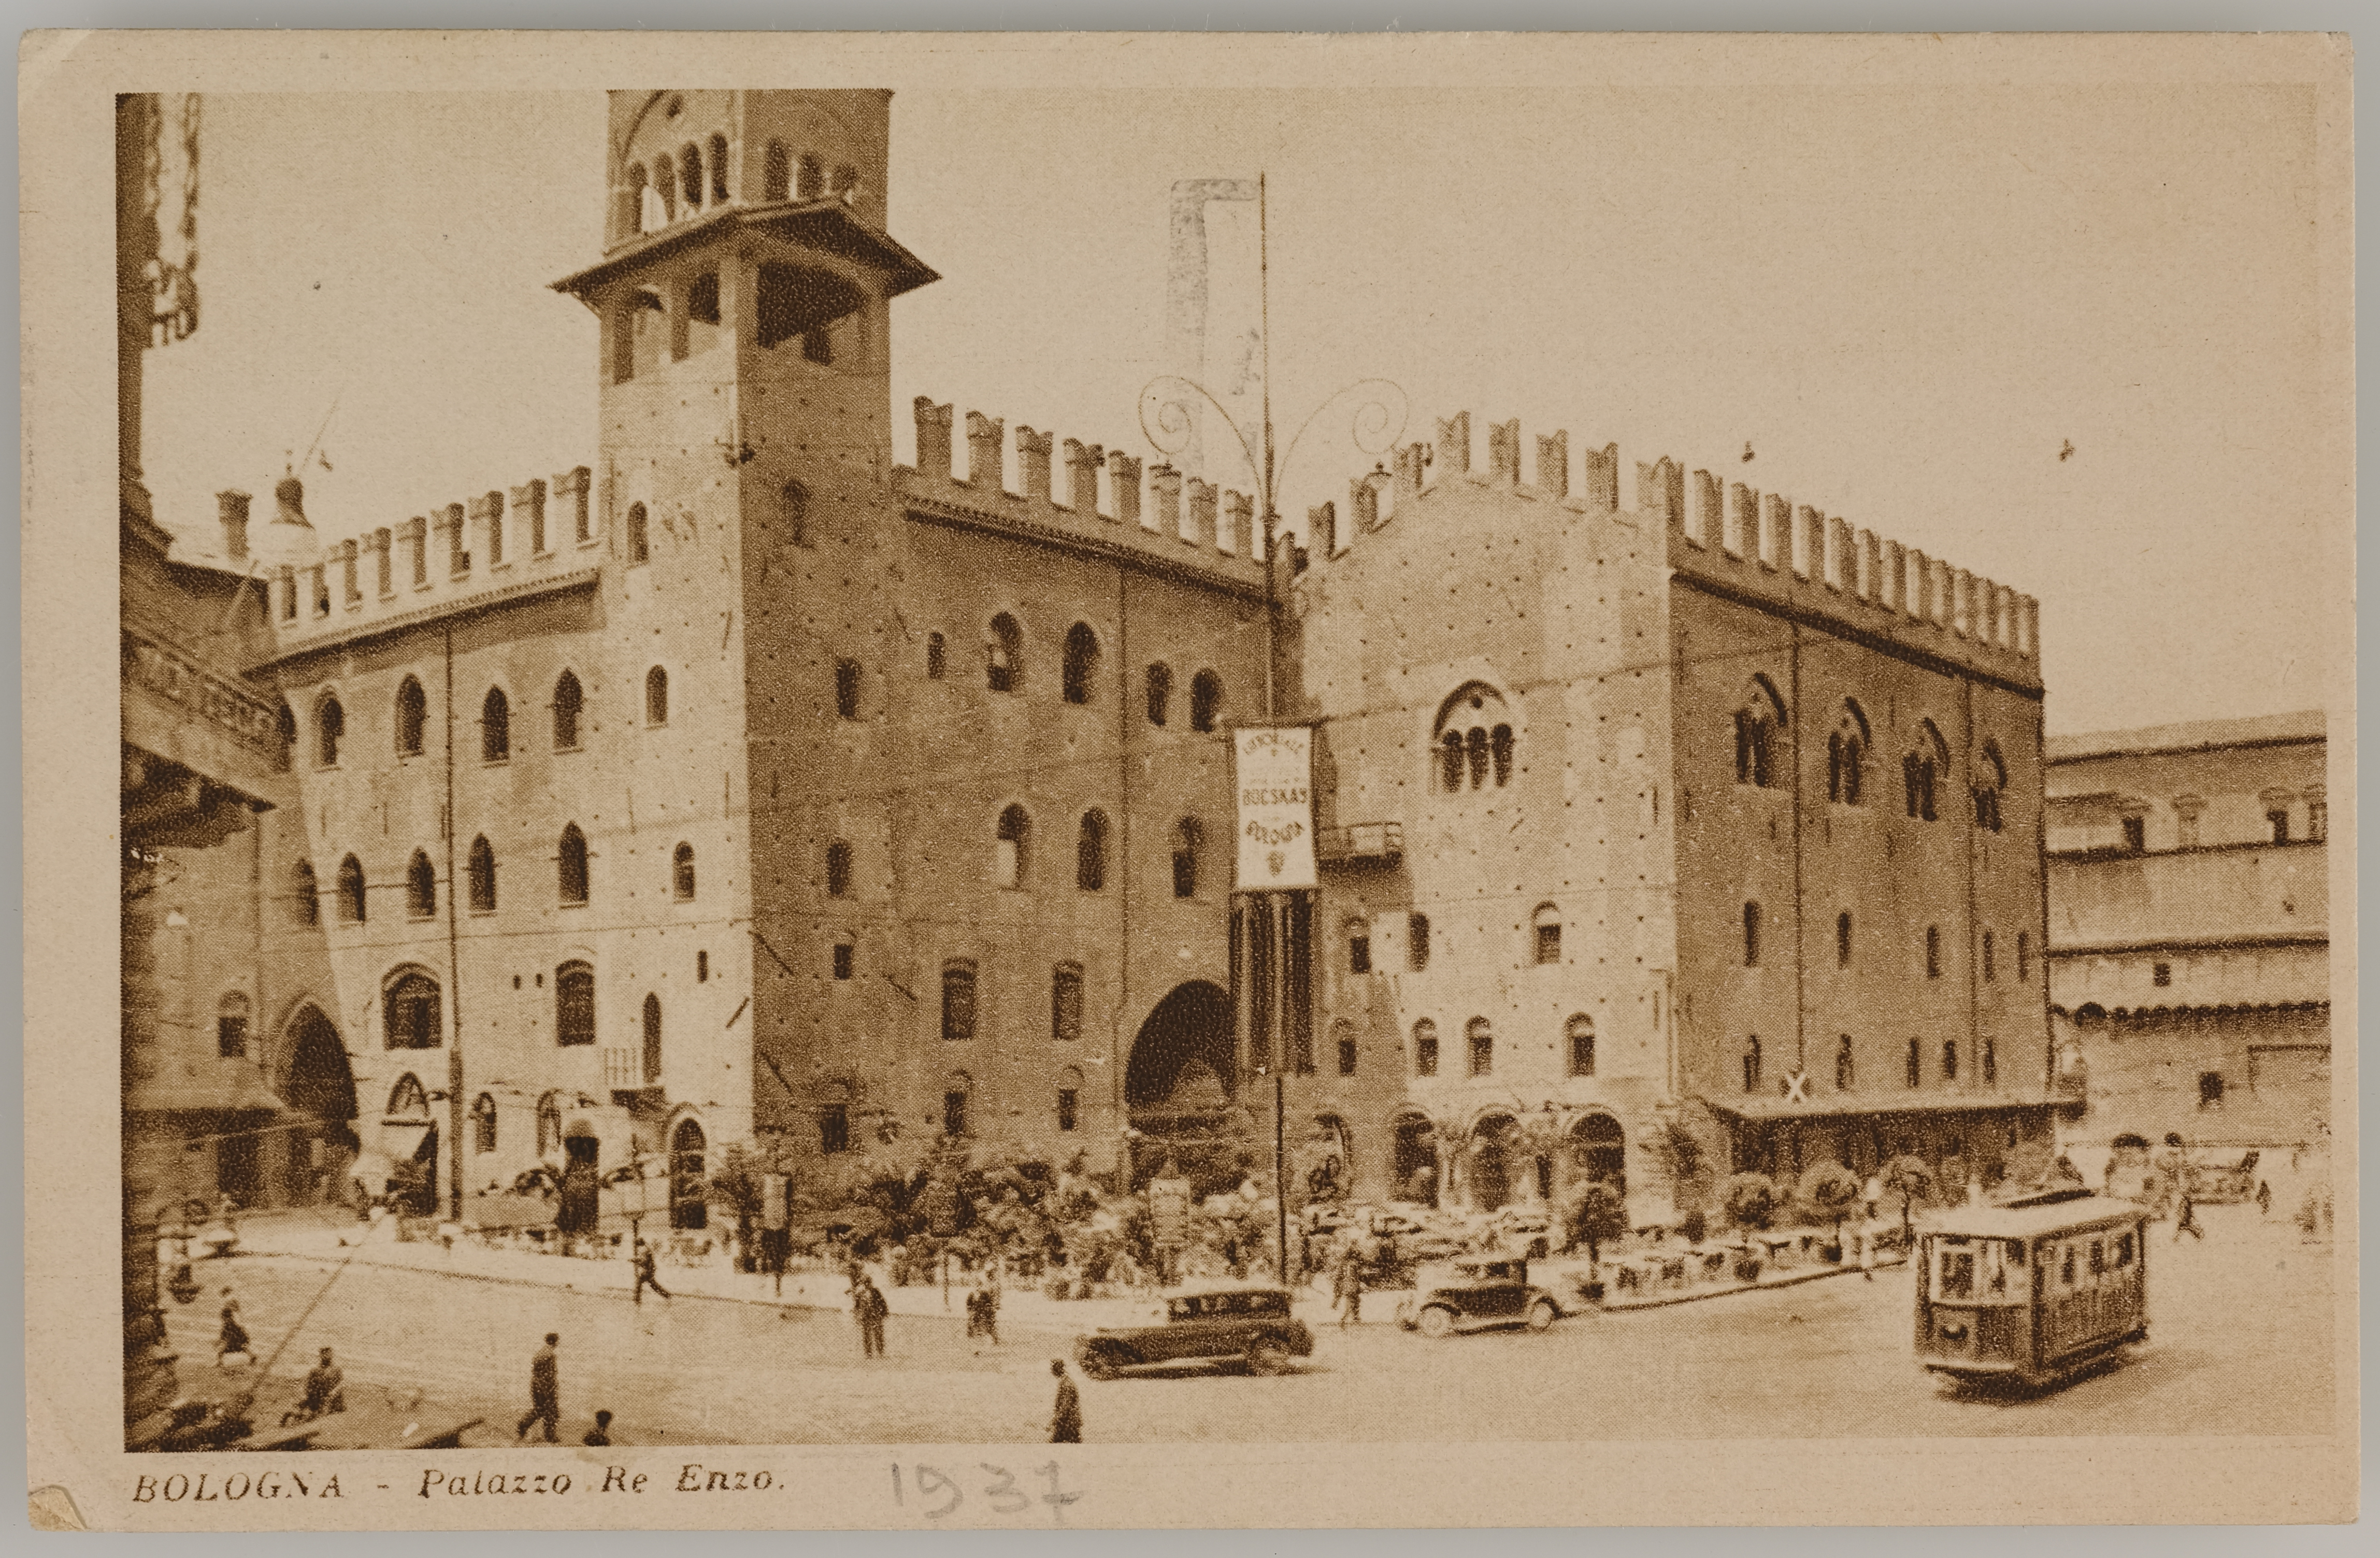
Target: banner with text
1272, 769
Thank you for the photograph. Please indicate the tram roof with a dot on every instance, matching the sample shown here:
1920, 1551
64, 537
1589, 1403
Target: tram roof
2034, 1216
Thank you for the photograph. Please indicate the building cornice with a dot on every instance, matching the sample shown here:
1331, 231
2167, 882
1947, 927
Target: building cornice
387, 626
1836, 627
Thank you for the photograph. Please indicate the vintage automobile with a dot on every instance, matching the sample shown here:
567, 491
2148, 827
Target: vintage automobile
1251, 1325
1476, 1294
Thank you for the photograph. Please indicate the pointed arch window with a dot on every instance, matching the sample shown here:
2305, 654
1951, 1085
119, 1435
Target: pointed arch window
410, 1014
652, 1055
811, 181
420, 887
1923, 769
1206, 700
718, 170
483, 1125
483, 876
665, 186
1760, 736
1950, 1060
1473, 739
573, 1004
570, 866
1161, 692
681, 874
657, 697
412, 718
1425, 1048
1189, 840
305, 894
1091, 852
1004, 655
1846, 753
351, 891
1991, 779
689, 167
640, 537
569, 701
330, 729
285, 732
1010, 840
1082, 664
776, 173
495, 727
406, 1100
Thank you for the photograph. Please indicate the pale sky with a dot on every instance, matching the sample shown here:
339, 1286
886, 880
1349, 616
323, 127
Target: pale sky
1907, 301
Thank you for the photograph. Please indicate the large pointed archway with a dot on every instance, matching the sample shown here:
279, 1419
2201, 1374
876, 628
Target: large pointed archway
1180, 1089
319, 1087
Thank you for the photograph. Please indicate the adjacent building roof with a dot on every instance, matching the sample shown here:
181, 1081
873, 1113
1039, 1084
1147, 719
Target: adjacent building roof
2198, 736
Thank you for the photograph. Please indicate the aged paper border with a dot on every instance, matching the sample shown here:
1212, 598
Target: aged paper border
73, 1428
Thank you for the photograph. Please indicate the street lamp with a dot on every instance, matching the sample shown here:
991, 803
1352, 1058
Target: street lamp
1169, 418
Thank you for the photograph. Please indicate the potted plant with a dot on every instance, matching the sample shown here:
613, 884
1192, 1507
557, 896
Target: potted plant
1750, 1203
1827, 1193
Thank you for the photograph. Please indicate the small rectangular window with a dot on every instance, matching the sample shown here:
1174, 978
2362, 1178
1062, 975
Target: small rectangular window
231, 1037
2136, 834
1359, 954
1426, 1055
1417, 941
1346, 1057
1066, 1115
846, 689
1990, 967
834, 1129
1548, 943
2161, 974
1066, 1005
954, 1113
2279, 819
2210, 1090
843, 959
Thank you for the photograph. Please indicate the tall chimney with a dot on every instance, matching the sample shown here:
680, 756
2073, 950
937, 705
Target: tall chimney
232, 509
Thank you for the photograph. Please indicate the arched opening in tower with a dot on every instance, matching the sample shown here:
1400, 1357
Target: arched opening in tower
1180, 1090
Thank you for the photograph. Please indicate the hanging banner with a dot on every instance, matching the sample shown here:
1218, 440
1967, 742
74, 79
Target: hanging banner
1273, 772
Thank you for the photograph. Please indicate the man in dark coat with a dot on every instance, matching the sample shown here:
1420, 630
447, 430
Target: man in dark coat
1066, 1420
544, 1391
324, 1389
647, 1272
867, 1305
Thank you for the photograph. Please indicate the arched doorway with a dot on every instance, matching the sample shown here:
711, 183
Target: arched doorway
1495, 1151
1416, 1166
1599, 1152
688, 1207
1179, 1087
319, 1087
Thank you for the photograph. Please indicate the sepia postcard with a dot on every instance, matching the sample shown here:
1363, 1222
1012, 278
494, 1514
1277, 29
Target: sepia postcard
1065, 781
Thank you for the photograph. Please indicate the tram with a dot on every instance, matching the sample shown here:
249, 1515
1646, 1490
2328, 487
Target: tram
2032, 1289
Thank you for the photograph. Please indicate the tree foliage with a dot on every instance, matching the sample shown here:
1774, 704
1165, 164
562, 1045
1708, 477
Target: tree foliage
1749, 1200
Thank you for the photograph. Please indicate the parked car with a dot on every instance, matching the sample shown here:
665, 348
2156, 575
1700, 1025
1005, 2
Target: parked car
1249, 1325
1476, 1294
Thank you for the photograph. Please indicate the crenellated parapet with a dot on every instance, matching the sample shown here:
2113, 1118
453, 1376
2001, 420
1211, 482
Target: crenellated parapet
1106, 502
453, 555
1730, 537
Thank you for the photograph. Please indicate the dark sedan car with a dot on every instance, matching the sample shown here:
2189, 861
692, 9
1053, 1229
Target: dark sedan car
1476, 1294
1250, 1325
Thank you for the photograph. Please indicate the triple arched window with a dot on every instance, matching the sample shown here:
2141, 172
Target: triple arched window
1923, 769
1760, 736
1847, 749
1991, 778
1473, 739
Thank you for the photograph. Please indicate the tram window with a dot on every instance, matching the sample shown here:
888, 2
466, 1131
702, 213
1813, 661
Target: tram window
2123, 1252
1958, 1274
2016, 1252
2066, 1267
2098, 1256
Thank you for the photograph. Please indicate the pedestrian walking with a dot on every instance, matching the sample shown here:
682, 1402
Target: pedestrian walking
1066, 1417
544, 1391
647, 1272
867, 1305
600, 1434
1867, 1251
2185, 1221
232, 1341
991, 1313
1348, 1290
